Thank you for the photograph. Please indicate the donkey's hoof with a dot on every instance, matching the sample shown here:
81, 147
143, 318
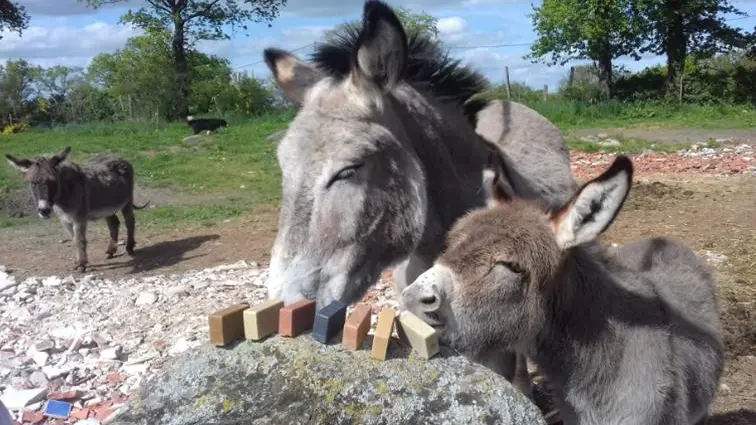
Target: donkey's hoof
80, 268
130, 249
109, 254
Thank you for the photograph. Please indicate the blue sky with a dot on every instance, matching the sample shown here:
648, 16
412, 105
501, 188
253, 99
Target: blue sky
66, 32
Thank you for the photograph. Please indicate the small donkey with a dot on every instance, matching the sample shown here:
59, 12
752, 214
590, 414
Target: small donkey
99, 189
630, 336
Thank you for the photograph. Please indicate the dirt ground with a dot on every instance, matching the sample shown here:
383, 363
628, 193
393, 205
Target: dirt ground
714, 215
675, 136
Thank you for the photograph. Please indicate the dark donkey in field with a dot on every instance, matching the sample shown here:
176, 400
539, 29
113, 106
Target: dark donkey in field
99, 189
627, 336
383, 156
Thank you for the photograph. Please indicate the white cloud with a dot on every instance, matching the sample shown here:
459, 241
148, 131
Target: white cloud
452, 29
65, 43
69, 7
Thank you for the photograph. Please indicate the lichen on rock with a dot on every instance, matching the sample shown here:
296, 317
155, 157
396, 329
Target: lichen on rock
301, 381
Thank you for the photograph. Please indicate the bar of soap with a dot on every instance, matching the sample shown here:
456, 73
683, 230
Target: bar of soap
421, 336
382, 334
227, 325
329, 321
296, 318
356, 327
261, 320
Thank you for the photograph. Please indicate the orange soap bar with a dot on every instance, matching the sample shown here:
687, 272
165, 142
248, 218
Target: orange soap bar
356, 327
227, 325
382, 334
296, 318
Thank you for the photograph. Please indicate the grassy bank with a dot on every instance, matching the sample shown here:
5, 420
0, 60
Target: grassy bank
233, 172
202, 182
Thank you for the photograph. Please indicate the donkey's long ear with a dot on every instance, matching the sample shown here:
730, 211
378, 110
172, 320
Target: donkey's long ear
381, 54
292, 75
498, 191
60, 156
594, 206
19, 163
495, 179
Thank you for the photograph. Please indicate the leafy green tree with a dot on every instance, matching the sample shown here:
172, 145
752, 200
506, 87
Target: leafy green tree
600, 30
18, 85
190, 21
138, 77
679, 28
13, 16
417, 22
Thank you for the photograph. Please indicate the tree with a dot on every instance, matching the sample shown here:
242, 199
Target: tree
417, 22
679, 28
600, 30
13, 16
190, 21
18, 85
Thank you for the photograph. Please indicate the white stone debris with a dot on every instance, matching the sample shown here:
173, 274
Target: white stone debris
103, 338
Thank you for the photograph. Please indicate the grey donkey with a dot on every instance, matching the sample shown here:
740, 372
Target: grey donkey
625, 336
386, 151
78, 194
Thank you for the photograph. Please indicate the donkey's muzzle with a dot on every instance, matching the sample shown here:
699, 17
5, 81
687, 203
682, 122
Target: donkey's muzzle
44, 212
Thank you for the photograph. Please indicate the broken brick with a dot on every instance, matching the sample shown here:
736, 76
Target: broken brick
66, 395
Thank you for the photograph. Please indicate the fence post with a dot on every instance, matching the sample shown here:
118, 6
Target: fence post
545, 92
572, 76
509, 88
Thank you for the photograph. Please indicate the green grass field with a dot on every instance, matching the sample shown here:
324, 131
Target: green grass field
234, 171
225, 176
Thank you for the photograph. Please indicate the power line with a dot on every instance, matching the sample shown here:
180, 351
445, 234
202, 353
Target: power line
261, 61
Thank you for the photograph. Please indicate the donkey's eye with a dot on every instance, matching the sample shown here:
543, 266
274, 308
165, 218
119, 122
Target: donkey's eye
345, 173
514, 267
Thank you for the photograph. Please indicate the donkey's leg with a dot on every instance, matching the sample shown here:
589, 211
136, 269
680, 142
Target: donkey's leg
80, 238
113, 225
128, 215
67, 229
521, 379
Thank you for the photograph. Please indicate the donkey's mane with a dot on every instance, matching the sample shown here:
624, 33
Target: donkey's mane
427, 64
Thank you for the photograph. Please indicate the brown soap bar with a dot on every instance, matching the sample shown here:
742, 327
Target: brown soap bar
261, 320
296, 318
422, 336
227, 325
382, 334
356, 327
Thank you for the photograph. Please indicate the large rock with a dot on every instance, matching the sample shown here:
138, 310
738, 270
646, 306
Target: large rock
300, 381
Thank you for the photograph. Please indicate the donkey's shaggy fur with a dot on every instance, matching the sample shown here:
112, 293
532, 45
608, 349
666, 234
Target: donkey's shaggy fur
628, 336
78, 194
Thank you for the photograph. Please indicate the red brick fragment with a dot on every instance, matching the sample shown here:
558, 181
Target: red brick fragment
64, 395
160, 345
103, 412
80, 414
32, 418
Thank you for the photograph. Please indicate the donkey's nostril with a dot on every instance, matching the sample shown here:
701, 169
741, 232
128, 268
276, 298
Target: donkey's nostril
428, 300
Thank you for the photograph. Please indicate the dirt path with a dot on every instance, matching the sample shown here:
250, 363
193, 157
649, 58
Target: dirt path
36, 250
674, 136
